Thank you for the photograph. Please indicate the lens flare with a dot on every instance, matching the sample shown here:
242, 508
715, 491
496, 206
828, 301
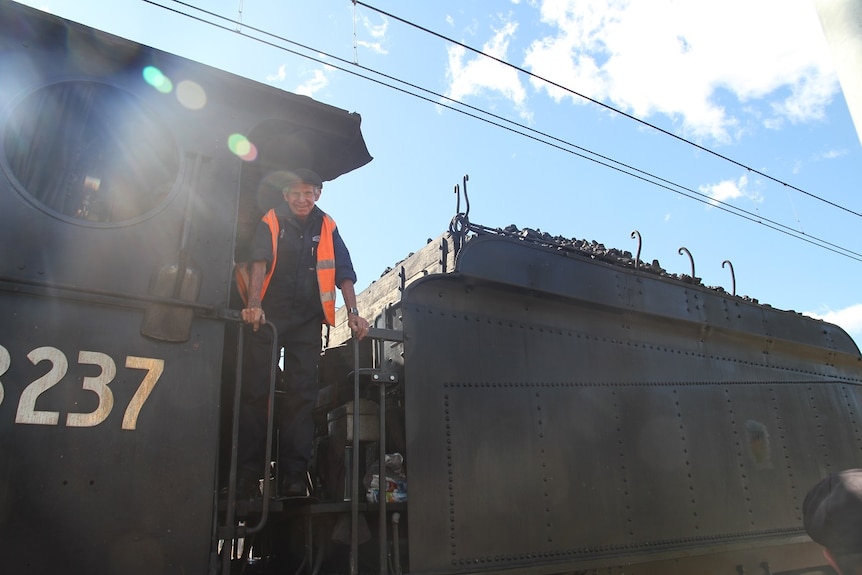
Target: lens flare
191, 95
242, 147
154, 77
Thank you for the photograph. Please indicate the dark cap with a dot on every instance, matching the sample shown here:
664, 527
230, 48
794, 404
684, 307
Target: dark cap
303, 176
832, 512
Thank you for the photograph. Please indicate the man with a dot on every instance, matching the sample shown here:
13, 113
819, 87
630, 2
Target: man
298, 258
832, 517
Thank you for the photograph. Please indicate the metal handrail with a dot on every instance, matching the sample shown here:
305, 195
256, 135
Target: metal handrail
230, 530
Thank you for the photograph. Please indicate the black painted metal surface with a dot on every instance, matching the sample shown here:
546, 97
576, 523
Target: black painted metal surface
566, 414
114, 187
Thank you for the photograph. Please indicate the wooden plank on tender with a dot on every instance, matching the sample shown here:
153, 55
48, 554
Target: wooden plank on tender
437, 256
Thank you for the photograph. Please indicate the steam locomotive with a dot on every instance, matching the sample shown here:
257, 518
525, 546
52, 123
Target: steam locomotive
528, 404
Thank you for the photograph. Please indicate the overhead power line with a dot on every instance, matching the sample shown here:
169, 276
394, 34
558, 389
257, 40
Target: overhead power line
499, 122
602, 104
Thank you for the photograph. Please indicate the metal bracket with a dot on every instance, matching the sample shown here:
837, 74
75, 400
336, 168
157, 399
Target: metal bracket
381, 376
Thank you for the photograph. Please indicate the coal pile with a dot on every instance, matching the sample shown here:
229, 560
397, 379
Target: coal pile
586, 248
595, 250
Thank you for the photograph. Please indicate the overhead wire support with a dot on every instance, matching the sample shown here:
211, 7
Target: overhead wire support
535, 135
355, 45
603, 105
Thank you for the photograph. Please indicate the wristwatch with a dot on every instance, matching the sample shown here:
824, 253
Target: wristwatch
353, 310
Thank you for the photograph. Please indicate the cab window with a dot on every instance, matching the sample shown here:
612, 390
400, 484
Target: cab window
90, 152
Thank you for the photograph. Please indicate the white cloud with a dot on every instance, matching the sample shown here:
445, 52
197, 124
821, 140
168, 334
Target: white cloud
849, 319
688, 59
809, 96
728, 190
317, 82
376, 31
471, 77
375, 47
278, 76
832, 154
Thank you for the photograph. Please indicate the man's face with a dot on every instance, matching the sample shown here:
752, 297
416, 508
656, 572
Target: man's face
301, 198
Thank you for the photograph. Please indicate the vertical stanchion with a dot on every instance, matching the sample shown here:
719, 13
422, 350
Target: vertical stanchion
354, 492
381, 478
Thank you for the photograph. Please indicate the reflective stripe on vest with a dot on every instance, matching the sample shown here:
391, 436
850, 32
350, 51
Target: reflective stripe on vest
326, 269
325, 265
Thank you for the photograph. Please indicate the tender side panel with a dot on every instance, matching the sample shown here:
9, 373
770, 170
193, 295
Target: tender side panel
564, 435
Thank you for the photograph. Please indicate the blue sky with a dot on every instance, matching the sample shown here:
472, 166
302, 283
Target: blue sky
751, 81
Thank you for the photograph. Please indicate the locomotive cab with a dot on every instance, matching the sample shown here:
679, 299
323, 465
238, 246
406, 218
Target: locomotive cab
127, 178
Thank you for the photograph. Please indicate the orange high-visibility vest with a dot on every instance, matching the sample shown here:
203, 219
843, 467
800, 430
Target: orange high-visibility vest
325, 265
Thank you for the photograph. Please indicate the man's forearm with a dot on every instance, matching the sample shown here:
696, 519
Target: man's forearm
258, 271
348, 294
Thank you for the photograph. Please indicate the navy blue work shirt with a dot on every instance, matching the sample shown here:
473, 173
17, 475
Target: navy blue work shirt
293, 295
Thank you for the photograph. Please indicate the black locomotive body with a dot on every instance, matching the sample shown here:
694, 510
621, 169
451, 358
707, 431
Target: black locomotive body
126, 177
557, 412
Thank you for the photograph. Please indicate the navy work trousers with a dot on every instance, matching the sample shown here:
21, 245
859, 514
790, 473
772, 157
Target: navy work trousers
293, 415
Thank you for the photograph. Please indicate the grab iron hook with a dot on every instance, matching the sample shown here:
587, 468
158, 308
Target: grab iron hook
466, 197
460, 224
732, 274
457, 192
637, 234
690, 259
